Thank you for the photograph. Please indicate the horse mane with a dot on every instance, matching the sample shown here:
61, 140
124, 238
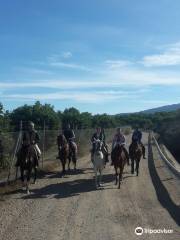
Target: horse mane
118, 149
62, 139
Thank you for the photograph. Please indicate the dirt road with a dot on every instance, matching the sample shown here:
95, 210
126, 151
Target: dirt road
70, 207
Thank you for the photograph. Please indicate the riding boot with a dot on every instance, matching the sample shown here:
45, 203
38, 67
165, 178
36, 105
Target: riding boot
105, 153
112, 163
92, 155
106, 158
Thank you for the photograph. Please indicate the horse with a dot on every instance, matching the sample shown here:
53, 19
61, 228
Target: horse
135, 153
98, 162
72, 154
119, 160
27, 162
63, 151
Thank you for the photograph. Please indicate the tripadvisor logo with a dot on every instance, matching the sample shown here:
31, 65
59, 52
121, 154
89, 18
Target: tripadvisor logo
140, 231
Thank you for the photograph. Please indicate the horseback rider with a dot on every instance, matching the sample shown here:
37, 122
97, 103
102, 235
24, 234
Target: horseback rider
99, 135
119, 139
69, 135
30, 138
137, 137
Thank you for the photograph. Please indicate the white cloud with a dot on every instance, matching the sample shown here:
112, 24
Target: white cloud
67, 54
70, 65
56, 60
170, 57
29, 70
78, 96
115, 64
108, 78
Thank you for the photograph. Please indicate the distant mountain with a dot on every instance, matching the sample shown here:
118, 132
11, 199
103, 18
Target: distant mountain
167, 108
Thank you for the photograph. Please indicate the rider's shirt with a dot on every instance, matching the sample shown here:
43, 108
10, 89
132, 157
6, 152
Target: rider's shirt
118, 138
137, 136
69, 134
30, 137
96, 136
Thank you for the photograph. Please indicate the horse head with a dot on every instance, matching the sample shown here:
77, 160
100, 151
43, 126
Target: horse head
61, 141
98, 145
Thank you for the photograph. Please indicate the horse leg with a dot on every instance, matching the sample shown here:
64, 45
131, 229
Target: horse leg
100, 177
74, 160
116, 174
35, 174
16, 173
63, 166
28, 177
137, 167
120, 176
96, 180
119, 180
132, 165
69, 157
22, 175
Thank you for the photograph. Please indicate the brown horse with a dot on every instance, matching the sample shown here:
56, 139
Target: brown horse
63, 149
135, 153
119, 160
72, 154
27, 162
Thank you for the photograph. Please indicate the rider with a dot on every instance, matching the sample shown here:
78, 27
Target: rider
119, 138
137, 137
30, 138
69, 134
99, 135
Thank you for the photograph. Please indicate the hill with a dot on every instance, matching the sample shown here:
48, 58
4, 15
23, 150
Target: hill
167, 108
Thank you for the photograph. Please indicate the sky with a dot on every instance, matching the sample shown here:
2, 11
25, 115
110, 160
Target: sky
100, 56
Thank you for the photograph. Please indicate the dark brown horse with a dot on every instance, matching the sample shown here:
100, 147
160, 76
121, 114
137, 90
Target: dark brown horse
63, 149
119, 160
72, 154
27, 162
135, 153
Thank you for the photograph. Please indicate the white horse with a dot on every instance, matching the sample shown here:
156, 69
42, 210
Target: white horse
98, 162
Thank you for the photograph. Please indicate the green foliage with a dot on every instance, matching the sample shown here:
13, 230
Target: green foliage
166, 124
37, 113
40, 113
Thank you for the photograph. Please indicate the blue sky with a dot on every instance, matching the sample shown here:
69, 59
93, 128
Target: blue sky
99, 56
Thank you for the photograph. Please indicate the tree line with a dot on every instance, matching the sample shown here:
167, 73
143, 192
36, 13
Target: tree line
167, 124
45, 113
